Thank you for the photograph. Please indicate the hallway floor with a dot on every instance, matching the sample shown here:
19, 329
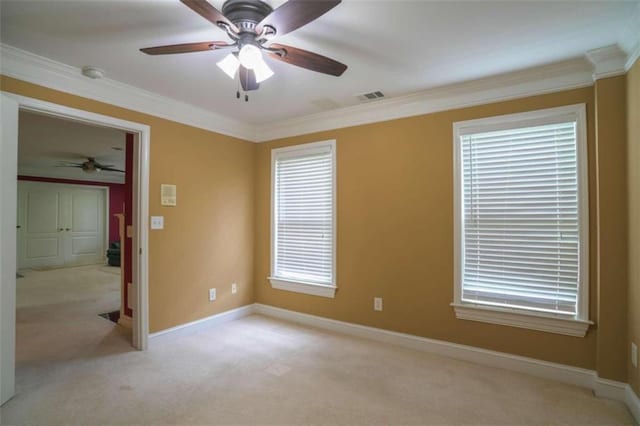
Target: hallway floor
257, 370
58, 323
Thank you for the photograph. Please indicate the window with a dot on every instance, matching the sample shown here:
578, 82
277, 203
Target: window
521, 249
303, 219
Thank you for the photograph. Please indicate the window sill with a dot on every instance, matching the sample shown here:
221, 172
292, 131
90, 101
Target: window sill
512, 318
301, 287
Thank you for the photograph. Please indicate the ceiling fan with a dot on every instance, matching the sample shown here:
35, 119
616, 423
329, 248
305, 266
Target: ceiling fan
90, 166
251, 25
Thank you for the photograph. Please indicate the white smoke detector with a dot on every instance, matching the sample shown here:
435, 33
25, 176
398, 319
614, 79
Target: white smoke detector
92, 72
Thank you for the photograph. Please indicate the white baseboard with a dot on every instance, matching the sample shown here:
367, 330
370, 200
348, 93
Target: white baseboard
194, 326
589, 379
633, 403
125, 321
548, 370
610, 389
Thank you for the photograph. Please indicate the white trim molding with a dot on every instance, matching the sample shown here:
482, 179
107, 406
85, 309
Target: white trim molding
27, 66
611, 389
630, 40
326, 289
203, 323
8, 242
524, 318
305, 288
633, 57
608, 61
633, 403
539, 322
565, 75
141, 195
547, 370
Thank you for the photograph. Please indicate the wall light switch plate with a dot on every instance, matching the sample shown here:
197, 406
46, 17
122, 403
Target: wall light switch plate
234, 288
377, 303
634, 355
212, 294
157, 222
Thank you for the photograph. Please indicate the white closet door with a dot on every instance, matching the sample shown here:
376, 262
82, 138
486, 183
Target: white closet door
85, 227
41, 231
60, 225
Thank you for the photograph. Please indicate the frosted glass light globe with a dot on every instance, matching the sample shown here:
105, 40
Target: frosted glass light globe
250, 56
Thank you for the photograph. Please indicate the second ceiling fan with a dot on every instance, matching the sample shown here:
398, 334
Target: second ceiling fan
251, 25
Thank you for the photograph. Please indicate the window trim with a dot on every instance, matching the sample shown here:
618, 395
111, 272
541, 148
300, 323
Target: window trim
523, 318
314, 289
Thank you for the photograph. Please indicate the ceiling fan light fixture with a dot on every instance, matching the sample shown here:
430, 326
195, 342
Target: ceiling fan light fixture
229, 65
262, 71
250, 24
250, 56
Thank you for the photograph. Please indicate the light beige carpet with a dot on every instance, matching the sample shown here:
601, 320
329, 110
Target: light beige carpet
259, 370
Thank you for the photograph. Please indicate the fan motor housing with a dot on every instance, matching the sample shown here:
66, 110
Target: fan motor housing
246, 14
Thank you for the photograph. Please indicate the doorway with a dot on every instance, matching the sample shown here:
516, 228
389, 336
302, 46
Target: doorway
11, 105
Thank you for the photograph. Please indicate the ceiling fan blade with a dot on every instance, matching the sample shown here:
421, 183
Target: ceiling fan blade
247, 79
309, 60
208, 12
295, 13
185, 48
103, 166
111, 169
69, 165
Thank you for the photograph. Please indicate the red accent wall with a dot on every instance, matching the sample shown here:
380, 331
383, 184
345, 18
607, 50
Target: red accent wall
117, 193
128, 218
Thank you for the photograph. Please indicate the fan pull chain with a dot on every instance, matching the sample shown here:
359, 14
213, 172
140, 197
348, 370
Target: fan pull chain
246, 97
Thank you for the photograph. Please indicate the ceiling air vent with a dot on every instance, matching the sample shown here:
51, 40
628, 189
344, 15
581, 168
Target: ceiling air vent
373, 96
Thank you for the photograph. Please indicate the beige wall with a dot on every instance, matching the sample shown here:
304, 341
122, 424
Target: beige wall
633, 129
395, 232
611, 153
208, 238
395, 225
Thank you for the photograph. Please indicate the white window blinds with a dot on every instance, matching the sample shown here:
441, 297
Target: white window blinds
303, 191
520, 227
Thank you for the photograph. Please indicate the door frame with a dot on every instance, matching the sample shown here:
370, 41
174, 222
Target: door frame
11, 104
105, 191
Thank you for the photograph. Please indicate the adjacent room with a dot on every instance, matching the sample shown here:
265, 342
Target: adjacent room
72, 203
320, 212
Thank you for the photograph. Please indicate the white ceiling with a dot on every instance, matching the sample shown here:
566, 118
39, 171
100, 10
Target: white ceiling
44, 141
398, 47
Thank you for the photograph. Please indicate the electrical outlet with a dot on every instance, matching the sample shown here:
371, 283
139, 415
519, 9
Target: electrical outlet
234, 288
377, 303
212, 294
634, 355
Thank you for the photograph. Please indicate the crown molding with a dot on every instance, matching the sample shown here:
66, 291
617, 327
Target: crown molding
26, 66
608, 61
564, 75
633, 57
630, 39
554, 77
